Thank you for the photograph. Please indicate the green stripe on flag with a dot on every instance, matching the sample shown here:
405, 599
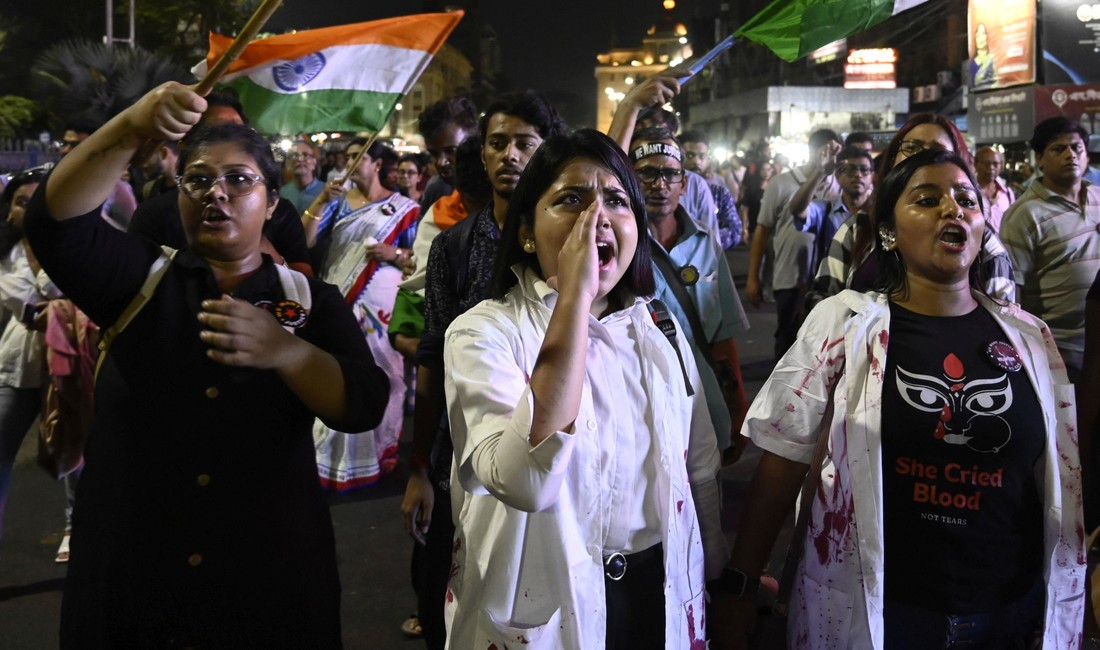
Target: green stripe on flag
794, 28
319, 110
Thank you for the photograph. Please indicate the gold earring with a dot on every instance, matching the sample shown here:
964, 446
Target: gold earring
529, 246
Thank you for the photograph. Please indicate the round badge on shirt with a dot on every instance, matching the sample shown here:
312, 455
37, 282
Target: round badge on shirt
689, 275
1004, 356
290, 313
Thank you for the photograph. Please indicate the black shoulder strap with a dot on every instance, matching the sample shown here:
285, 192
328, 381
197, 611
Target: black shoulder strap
672, 278
663, 319
458, 252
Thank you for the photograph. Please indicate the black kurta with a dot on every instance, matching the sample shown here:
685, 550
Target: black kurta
199, 518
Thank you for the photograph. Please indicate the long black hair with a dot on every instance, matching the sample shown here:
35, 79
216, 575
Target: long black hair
892, 275
544, 167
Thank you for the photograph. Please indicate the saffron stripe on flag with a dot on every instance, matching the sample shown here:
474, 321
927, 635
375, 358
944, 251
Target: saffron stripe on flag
378, 68
424, 32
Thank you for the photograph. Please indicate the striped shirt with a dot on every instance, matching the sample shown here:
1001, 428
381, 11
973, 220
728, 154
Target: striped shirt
1054, 244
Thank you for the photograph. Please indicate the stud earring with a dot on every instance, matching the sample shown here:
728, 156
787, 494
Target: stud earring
888, 239
529, 246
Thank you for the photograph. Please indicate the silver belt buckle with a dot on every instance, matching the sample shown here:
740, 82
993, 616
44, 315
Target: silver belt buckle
614, 566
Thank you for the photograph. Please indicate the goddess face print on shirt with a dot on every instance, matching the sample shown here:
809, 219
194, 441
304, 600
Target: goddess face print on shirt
969, 410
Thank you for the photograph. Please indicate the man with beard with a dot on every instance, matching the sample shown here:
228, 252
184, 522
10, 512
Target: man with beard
1052, 234
444, 125
160, 171
460, 266
694, 282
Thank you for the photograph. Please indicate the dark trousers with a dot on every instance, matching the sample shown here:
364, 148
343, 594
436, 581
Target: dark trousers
636, 605
432, 566
788, 313
1010, 627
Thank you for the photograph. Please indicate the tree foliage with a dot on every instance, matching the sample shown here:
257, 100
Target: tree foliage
85, 82
16, 114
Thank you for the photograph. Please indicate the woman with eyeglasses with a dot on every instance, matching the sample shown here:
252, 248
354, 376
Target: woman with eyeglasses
409, 170
850, 263
937, 425
199, 518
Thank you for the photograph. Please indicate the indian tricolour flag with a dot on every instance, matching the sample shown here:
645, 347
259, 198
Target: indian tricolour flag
344, 78
794, 28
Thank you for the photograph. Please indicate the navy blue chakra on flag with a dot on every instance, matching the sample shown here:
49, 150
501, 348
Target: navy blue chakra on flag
292, 75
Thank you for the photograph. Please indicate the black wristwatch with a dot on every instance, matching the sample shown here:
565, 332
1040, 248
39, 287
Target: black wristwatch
733, 583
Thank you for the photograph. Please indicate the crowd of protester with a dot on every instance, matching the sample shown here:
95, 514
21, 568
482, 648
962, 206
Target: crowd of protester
553, 311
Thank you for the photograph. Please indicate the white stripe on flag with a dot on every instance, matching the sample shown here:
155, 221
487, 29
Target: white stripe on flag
372, 67
902, 5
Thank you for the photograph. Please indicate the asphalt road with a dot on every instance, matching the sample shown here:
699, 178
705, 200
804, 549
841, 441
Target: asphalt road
372, 546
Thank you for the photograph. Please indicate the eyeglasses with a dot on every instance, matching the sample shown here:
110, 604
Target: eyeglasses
671, 176
235, 183
295, 155
852, 170
913, 147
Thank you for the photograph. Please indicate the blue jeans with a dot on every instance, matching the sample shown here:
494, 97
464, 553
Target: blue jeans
18, 409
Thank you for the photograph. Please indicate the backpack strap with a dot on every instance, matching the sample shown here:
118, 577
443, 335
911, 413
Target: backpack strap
458, 252
663, 320
295, 288
671, 275
156, 274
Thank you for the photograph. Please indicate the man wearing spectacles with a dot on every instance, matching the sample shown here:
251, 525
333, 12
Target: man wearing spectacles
822, 219
301, 161
693, 281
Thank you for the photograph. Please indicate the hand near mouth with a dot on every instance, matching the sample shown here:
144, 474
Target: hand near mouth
578, 260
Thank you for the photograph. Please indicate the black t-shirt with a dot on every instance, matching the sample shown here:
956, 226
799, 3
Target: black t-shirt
962, 431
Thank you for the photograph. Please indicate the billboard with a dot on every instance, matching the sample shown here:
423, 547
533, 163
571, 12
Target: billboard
871, 68
1002, 43
1071, 41
1002, 115
1081, 103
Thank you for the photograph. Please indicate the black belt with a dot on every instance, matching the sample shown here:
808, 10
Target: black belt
616, 564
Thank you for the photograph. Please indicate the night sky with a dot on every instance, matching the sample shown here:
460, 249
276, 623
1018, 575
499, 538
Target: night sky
544, 45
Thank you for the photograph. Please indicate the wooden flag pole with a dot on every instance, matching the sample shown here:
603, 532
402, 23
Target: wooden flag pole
359, 157
206, 84
248, 32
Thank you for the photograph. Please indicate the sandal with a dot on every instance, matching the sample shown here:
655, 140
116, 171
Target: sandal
411, 627
63, 550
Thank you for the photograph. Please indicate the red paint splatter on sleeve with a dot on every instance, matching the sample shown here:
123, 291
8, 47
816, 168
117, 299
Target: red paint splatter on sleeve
450, 595
680, 506
790, 408
1062, 404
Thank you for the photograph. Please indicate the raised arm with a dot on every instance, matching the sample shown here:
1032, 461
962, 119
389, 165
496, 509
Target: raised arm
824, 162
655, 91
87, 176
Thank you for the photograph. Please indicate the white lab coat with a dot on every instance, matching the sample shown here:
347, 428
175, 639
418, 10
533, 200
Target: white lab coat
837, 600
528, 561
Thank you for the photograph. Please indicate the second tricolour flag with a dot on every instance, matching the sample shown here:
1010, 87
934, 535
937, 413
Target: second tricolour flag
794, 28
343, 78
